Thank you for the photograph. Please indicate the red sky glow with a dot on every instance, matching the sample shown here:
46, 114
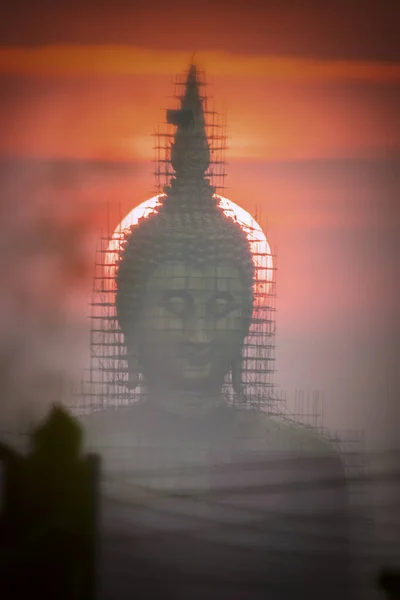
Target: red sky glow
311, 97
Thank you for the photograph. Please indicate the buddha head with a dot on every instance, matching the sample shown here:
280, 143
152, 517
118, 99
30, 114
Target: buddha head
185, 276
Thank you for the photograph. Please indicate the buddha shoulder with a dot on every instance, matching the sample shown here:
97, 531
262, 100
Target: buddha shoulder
260, 431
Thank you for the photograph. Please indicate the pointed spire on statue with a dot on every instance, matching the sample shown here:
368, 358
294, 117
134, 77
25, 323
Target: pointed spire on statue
190, 152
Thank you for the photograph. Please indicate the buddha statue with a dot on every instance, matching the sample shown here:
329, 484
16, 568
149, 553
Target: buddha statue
185, 281
203, 499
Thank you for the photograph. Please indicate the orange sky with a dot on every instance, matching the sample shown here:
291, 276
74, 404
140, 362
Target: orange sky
298, 81
104, 102
311, 95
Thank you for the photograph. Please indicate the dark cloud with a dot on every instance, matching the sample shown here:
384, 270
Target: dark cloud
341, 29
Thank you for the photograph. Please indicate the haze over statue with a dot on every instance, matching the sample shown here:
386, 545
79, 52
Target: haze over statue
226, 500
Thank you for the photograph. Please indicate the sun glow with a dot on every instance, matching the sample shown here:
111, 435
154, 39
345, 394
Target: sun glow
259, 245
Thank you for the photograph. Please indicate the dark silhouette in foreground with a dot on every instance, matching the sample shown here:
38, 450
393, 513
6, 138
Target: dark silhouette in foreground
49, 518
48, 527
389, 582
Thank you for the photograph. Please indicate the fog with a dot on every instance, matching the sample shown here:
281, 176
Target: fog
346, 347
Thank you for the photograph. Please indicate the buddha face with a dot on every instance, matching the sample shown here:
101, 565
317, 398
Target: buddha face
191, 326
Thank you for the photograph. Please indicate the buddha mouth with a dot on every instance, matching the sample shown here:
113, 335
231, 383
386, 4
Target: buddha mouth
199, 362
198, 357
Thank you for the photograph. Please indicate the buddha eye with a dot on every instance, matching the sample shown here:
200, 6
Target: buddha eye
221, 304
177, 303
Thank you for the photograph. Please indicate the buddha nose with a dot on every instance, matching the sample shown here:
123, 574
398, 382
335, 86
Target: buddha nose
199, 331
199, 336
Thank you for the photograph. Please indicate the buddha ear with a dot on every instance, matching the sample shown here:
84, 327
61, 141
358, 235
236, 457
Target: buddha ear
236, 370
133, 366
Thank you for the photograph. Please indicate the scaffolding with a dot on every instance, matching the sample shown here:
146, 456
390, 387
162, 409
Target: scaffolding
105, 383
308, 409
216, 131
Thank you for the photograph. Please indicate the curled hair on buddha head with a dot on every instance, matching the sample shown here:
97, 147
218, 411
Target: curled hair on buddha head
196, 237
